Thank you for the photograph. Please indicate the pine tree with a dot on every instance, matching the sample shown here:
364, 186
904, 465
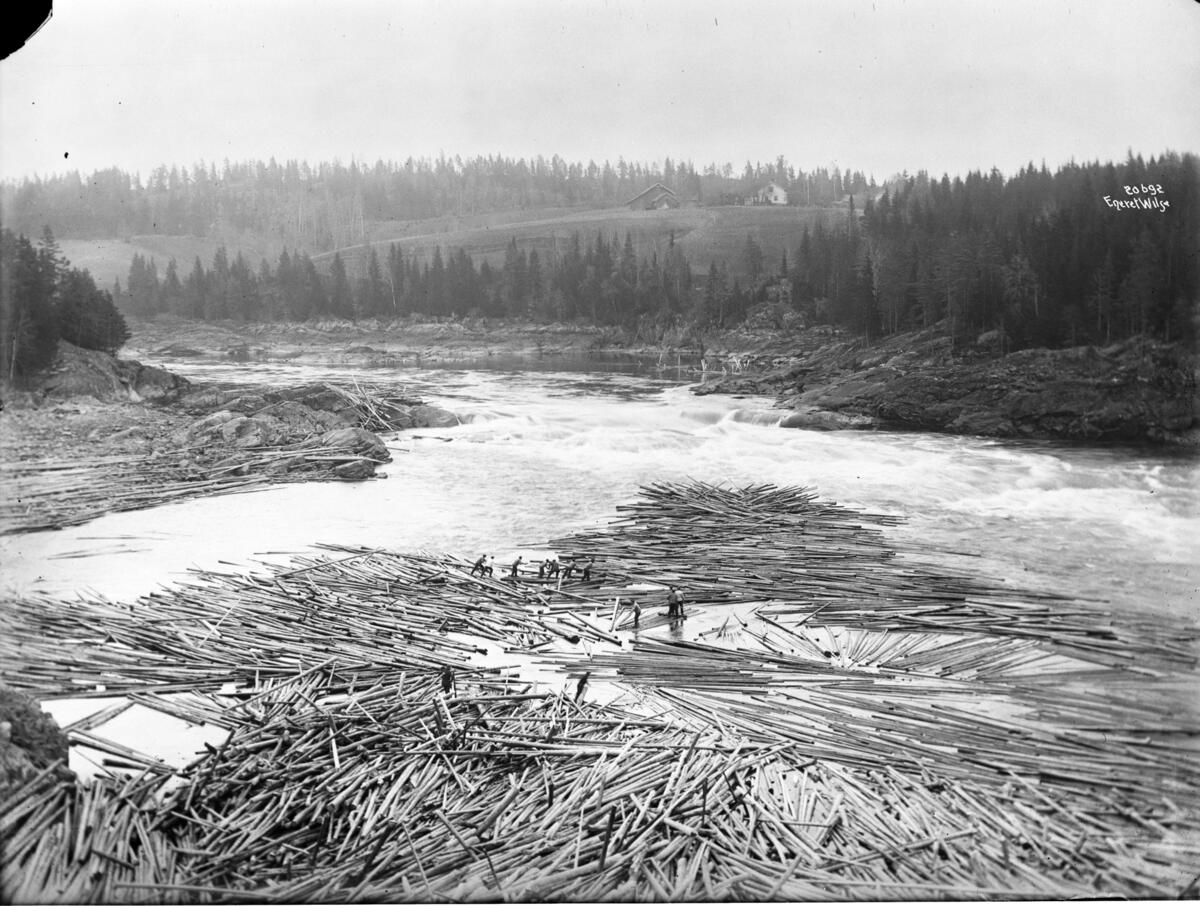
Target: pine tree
88, 317
375, 302
172, 291
395, 279
436, 284
752, 258
1142, 286
29, 324
218, 288
195, 292
341, 301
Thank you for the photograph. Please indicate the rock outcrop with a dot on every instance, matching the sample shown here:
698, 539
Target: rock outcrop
1133, 392
433, 417
30, 741
306, 428
1139, 391
358, 441
322, 428
88, 372
821, 420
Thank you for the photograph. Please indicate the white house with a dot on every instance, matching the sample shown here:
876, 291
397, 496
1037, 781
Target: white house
771, 193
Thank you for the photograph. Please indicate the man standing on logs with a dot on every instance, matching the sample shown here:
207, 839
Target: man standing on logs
480, 565
581, 686
675, 604
637, 615
516, 565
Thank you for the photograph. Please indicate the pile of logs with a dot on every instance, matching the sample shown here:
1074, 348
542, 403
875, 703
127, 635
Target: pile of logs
827, 722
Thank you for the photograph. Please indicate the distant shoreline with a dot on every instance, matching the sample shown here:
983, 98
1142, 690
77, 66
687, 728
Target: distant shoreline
1139, 391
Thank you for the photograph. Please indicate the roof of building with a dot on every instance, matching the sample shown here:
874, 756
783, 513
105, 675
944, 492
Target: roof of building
657, 186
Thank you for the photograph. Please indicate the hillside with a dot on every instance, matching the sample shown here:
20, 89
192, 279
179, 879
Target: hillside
109, 259
704, 234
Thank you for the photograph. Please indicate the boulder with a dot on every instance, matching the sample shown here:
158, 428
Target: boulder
135, 434
992, 341
249, 432
178, 351
210, 425
298, 421
355, 470
821, 420
207, 400
146, 382
982, 422
358, 441
247, 403
30, 740
23, 399
315, 396
89, 372
283, 466
400, 418
433, 417
84, 372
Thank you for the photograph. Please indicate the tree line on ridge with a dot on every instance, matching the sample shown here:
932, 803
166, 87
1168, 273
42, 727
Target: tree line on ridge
1091, 253
1040, 259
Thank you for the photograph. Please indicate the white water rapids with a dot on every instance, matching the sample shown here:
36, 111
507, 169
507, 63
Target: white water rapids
544, 453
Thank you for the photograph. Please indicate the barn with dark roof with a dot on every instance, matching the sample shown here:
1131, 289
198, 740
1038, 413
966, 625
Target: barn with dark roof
652, 199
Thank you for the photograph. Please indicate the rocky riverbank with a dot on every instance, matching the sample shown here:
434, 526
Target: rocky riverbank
96, 434
1139, 391
371, 342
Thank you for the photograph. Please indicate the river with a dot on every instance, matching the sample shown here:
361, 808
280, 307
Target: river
544, 452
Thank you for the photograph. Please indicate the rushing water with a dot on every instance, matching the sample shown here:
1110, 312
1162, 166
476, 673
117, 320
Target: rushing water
542, 453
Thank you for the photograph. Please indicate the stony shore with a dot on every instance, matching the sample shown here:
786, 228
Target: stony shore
98, 434
1138, 392
368, 342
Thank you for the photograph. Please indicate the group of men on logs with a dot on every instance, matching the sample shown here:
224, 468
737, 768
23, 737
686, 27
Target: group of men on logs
551, 569
547, 569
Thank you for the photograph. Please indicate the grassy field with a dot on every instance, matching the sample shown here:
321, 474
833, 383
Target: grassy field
704, 234
545, 231
775, 229
109, 259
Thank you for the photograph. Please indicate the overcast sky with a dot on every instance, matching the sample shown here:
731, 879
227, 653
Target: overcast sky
875, 86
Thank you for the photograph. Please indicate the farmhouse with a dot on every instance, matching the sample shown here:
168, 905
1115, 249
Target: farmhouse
771, 193
654, 198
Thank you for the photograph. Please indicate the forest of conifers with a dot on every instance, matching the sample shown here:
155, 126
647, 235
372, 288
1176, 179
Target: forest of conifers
1090, 253
326, 207
42, 300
